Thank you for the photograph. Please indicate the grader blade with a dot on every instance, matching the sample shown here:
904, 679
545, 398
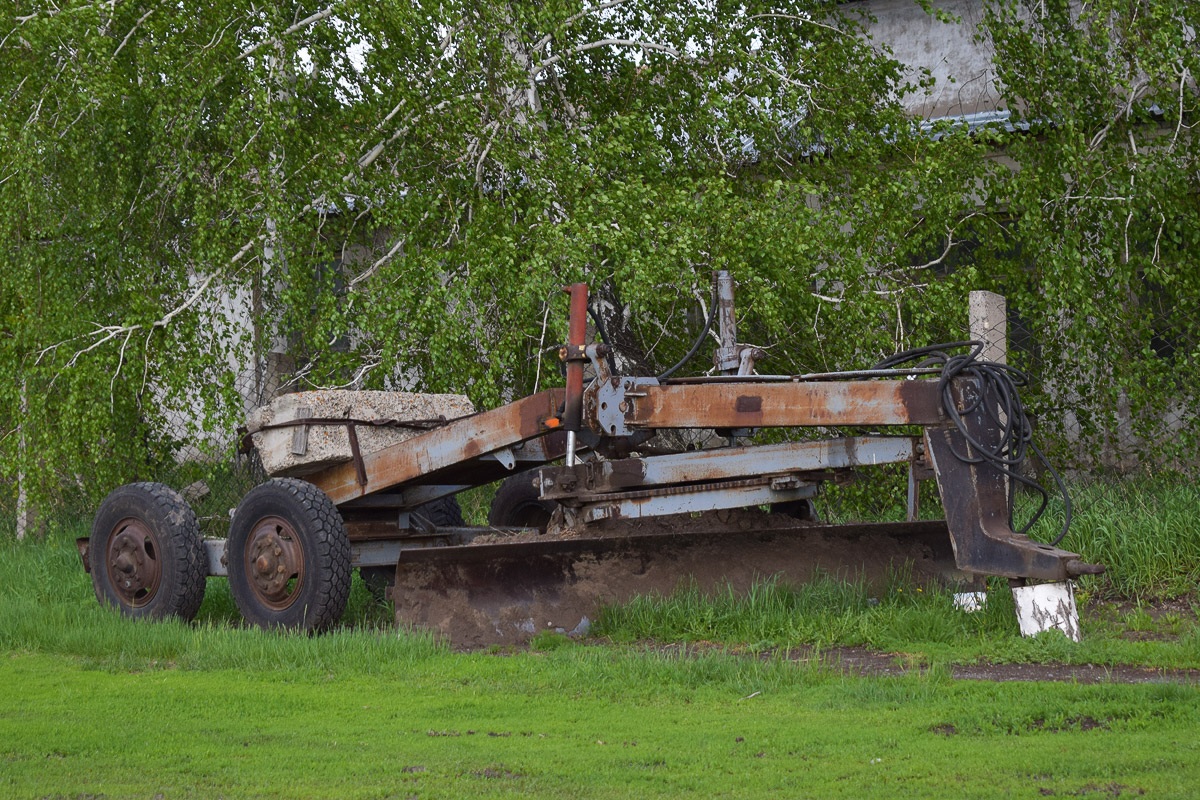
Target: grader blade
506, 592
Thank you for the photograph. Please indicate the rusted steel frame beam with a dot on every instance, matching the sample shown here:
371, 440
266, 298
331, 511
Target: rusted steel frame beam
409, 497
457, 442
484, 469
373, 552
386, 552
771, 405
360, 533
721, 463
844, 375
540, 450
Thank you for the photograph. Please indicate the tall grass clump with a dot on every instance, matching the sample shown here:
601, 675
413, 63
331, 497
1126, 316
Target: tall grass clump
1143, 529
47, 605
825, 611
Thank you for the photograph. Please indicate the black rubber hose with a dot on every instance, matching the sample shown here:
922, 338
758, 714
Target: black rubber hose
712, 312
612, 362
1001, 401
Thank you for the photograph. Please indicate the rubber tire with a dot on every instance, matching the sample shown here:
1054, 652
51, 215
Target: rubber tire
183, 561
325, 547
445, 512
800, 509
517, 504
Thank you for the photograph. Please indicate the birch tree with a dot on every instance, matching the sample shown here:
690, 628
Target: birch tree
405, 186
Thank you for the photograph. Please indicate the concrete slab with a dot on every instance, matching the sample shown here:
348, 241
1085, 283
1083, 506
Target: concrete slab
298, 451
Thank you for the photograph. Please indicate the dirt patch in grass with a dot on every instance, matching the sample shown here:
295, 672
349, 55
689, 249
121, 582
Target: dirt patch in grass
1073, 673
864, 662
491, 773
1094, 790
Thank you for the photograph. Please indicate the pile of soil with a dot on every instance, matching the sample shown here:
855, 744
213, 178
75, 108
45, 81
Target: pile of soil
732, 520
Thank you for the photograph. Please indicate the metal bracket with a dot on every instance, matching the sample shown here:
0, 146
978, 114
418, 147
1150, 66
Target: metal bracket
573, 352
506, 457
612, 404
976, 503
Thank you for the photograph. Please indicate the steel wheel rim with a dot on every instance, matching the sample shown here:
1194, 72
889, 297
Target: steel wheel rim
133, 562
274, 563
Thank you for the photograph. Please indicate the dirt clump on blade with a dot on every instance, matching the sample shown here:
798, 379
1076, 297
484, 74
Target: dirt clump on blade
504, 590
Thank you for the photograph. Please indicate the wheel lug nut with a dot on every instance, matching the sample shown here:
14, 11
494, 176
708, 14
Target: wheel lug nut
280, 569
278, 551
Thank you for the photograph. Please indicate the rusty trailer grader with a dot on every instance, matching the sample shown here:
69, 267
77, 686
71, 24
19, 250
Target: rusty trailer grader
602, 510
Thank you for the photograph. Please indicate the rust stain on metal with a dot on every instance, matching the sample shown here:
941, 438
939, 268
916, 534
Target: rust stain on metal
799, 404
917, 401
447, 446
748, 404
83, 545
628, 472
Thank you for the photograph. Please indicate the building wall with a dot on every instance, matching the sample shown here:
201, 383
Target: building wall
962, 67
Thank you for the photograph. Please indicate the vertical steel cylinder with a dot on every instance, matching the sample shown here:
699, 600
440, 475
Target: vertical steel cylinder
576, 338
726, 358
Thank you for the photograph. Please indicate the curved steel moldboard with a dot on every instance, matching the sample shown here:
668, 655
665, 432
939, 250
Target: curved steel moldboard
477, 595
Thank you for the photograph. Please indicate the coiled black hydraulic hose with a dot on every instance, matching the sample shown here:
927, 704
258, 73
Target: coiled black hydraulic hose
998, 394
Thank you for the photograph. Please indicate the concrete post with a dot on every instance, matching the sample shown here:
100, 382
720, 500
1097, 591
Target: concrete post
26, 513
988, 318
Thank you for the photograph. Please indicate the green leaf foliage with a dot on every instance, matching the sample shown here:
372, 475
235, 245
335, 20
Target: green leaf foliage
393, 194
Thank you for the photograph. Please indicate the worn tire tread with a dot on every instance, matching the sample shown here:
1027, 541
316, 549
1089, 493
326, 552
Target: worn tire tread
184, 578
445, 512
331, 570
517, 496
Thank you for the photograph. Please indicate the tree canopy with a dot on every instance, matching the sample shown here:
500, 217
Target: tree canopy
395, 193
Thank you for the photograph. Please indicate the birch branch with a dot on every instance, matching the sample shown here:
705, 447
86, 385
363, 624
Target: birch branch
1182, 78
798, 18
390, 253
129, 35
571, 20
304, 23
633, 43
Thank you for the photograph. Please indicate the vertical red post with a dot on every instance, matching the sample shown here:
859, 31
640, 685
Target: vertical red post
576, 339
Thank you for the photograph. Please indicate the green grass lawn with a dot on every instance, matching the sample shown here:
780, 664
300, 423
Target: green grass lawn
579, 722
94, 705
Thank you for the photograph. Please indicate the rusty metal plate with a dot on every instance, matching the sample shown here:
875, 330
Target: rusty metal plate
774, 405
448, 446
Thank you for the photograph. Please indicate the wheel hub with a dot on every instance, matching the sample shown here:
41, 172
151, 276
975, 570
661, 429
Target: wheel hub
274, 562
134, 569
